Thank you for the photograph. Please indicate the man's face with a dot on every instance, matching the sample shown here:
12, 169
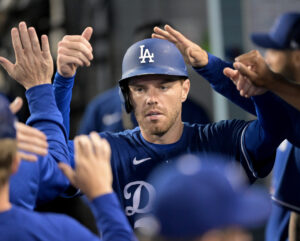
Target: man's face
157, 102
280, 61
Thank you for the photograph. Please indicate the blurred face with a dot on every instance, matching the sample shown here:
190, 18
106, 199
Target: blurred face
157, 102
280, 61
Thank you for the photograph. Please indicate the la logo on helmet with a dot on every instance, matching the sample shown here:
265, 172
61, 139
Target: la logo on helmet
145, 55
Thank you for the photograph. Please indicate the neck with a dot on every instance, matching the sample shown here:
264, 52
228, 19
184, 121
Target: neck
4, 198
171, 136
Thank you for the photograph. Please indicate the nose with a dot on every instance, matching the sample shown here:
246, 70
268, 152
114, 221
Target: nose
152, 96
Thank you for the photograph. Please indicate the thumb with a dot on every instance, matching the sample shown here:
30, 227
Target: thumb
16, 105
87, 33
68, 172
7, 65
230, 73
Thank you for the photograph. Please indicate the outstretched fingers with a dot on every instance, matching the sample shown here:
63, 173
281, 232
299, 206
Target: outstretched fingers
45, 47
163, 34
36, 48
176, 34
24, 37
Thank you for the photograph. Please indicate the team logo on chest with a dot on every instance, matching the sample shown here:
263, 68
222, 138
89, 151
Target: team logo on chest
133, 192
145, 54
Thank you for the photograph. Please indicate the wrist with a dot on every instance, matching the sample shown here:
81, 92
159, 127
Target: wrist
66, 74
29, 86
203, 60
92, 194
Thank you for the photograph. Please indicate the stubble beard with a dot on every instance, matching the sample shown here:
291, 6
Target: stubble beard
157, 128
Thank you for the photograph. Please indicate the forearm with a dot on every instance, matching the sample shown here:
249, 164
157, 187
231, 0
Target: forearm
63, 95
46, 117
213, 73
111, 218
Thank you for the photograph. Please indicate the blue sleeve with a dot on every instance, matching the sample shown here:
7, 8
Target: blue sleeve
45, 116
111, 219
264, 135
63, 95
213, 73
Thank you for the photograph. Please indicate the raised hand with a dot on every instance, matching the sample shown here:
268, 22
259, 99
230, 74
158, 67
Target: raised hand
92, 175
74, 51
193, 54
259, 73
34, 65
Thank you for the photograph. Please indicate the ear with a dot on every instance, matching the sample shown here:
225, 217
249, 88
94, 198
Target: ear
15, 163
185, 89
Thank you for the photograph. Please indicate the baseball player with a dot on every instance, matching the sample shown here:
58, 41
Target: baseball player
154, 84
286, 166
17, 223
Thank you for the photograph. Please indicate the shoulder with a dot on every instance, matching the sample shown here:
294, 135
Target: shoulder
220, 126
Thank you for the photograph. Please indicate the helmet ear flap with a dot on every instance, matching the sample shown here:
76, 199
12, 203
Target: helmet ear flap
126, 96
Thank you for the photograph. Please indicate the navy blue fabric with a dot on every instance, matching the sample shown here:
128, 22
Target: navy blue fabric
49, 226
7, 119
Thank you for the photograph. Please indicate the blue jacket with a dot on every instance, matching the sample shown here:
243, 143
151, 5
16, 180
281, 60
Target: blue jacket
21, 224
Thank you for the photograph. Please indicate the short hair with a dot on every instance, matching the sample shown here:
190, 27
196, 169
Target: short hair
8, 151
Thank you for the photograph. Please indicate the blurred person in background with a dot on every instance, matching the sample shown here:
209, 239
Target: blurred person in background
204, 199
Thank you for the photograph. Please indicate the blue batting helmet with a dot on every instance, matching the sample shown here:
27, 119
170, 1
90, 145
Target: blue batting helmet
151, 56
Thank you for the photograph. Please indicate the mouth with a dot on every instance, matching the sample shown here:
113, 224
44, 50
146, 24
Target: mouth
153, 115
